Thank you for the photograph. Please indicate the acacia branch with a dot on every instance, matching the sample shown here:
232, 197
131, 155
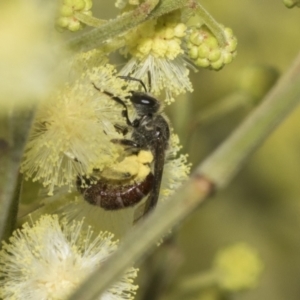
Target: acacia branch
111, 29
16, 125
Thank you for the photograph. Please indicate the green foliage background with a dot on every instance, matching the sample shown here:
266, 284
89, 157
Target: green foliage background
262, 205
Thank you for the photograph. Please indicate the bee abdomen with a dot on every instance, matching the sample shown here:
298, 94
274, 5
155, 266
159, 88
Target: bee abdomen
112, 196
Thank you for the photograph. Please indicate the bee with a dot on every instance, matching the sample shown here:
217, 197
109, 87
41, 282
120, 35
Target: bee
150, 133
113, 188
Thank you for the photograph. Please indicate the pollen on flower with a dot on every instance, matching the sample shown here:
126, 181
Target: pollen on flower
49, 259
84, 61
163, 32
238, 267
72, 131
156, 49
176, 169
170, 76
67, 18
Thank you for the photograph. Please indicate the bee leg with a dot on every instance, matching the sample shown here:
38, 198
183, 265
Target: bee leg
119, 100
121, 129
125, 142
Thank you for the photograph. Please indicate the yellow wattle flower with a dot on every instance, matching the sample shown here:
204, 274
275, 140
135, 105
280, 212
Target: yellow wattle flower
49, 259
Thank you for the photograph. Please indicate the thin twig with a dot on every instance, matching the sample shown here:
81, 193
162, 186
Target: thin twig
11, 149
89, 20
110, 29
210, 22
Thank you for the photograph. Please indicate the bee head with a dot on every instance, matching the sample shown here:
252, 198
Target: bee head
144, 103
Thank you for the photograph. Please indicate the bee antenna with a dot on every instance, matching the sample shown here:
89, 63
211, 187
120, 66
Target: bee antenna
149, 80
134, 79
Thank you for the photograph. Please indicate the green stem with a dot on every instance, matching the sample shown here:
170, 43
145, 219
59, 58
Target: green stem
150, 9
227, 160
216, 171
211, 23
11, 150
167, 6
144, 236
89, 20
11, 222
110, 29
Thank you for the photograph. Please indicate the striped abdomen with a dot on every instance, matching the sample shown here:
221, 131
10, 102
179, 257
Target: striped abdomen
112, 196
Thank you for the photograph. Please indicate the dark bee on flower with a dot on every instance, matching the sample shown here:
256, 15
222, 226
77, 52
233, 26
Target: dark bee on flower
149, 133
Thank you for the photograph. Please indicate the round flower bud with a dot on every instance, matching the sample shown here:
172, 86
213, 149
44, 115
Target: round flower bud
231, 46
74, 25
193, 52
202, 62
78, 5
211, 42
67, 11
210, 53
62, 22
196, 39
214, 55
180, 30
227, 58
203, 51
238, 267
217, 65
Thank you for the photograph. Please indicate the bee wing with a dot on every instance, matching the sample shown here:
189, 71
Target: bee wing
159, 161
112, 174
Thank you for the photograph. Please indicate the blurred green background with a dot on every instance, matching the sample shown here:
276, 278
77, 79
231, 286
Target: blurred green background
262, 204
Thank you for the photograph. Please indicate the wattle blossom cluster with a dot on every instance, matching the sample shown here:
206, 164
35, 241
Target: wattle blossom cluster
156, 52
49, 259
72, 131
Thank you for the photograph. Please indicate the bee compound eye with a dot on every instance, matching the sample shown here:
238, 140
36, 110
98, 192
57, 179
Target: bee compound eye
143, 99
148, 102
144, 103
136, 123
